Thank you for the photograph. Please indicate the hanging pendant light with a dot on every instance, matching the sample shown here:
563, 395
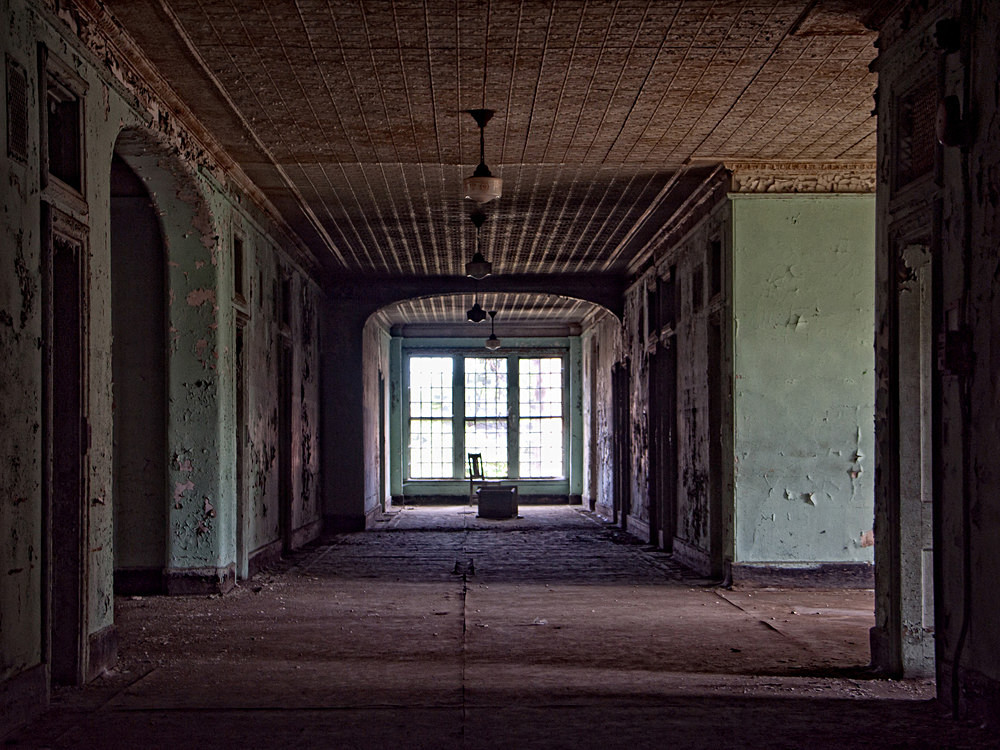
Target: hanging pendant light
493, 343
478, 267
475, 314
482, 186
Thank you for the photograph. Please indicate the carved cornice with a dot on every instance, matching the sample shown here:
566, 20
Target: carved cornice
802, 177
134, 75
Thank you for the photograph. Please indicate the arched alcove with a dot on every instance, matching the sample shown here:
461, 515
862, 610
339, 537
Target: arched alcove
195, 512
139, 371
530, 326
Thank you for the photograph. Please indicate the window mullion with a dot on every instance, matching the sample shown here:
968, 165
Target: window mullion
458, 417
513, 418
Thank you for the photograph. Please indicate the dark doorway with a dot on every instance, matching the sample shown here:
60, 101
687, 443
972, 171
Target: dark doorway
67, 442
622, 442
242, 540
383, 453
285, 447
138, 355
663, 443
715, 468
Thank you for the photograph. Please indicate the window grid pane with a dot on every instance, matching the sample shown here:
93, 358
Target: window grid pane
541, 447
431, 387
488, 437
431, 410
541, 426
541, 387
430, 448
485, 387
486, 412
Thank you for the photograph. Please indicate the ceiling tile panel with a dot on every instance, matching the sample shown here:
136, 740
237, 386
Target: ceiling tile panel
359, 105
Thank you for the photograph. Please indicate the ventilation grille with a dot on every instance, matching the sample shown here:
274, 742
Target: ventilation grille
17, 112
917, 144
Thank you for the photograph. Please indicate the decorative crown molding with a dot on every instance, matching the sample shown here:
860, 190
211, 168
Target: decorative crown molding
802, 176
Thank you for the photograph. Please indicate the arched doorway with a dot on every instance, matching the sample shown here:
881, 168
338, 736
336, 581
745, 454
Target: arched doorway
139, 368
541, 385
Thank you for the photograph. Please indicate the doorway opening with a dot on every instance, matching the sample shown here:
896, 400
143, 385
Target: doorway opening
67, 441
138, 355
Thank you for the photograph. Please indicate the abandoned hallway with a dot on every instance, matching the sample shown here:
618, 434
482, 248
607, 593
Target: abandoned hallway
443, 630
727, 302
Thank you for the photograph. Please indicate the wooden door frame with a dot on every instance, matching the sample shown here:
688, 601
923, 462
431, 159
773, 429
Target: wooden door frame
65, 530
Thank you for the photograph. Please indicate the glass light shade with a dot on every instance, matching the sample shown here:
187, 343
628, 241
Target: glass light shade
493, 343
476, 314
478, 267
482, 189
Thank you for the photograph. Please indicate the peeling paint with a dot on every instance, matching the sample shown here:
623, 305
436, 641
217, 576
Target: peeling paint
804, 389
198, 297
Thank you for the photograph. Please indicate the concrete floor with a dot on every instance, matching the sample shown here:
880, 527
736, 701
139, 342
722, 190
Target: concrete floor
441, 630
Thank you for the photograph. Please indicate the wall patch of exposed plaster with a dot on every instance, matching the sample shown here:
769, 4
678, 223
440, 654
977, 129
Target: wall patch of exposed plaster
198, 297
179, 489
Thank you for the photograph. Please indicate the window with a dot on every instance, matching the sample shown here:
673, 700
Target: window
715, 266
17, 112
486, 412
238, 276
431, 411
698, 288
63, 133
541, 424
669, 303
510, 409
915, 140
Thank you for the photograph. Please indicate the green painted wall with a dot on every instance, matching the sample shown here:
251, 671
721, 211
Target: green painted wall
198, 210
803, 308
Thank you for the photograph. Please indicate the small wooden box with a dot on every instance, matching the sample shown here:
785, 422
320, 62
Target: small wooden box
497, 501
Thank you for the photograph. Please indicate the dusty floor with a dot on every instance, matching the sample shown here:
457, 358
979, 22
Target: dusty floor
441, 630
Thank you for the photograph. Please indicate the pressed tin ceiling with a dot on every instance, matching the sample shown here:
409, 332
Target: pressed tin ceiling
349, 115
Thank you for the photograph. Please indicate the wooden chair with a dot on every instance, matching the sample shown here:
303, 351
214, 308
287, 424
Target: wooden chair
475, 474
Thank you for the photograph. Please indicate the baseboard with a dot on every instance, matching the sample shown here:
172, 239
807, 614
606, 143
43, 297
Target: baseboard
340, 523
103, 651
373, 515
884, 657
818, 575
637, 527
691, 556
464, 500
139, 581
263, 557
200, 581
605, 512
23, 697
307, 533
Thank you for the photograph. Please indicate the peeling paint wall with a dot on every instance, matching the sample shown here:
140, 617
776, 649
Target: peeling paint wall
274, 290
634, 349
803, 304
20, 385
687, 526
600, 347
376, 415
199, 209
697, 307
952, 208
